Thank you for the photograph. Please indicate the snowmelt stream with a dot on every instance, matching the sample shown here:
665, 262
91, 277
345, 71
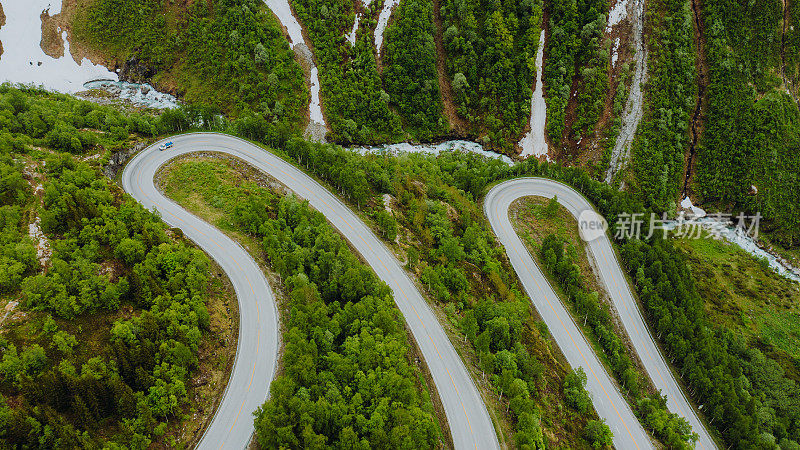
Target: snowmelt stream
737, 236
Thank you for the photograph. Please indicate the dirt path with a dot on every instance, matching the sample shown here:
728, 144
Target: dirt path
633, 112
702, 81
458, 124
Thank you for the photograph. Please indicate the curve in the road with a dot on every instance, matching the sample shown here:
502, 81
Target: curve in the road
256, 357
608, 401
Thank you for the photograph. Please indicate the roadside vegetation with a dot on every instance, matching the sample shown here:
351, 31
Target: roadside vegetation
349, 375
746, 296
436, 226
111, 316
491, 62
750, 154
746, 395
551, 234
227, 56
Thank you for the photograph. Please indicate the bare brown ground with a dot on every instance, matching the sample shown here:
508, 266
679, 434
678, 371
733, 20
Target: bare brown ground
51, 43
591, 148
2, 22
458, 125
690, 160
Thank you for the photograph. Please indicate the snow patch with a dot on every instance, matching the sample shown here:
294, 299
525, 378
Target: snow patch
315, 105
383, 20
43, 251
615, 52
387, 203
686, 203
632, 114
283, 11
534, 143
351, 37
617, 14
24, 61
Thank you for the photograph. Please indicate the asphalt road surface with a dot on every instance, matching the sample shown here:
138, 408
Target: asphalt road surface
608, 401
256, 357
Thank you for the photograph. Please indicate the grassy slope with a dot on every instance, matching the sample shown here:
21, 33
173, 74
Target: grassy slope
743, 295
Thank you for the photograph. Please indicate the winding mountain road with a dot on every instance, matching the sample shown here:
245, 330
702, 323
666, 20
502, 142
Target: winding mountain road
256, 357
608, 401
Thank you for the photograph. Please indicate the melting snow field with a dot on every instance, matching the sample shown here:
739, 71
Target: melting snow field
632, 114
283, 11
351, 37
534, 143
383, 20
23, 60
617, 14
615, 52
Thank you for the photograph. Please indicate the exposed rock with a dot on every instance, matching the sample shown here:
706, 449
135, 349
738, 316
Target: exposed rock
120, 158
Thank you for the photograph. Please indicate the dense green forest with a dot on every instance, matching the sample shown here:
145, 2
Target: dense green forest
409, 74
575, 54
114, 322
491, 61
446, 241
752, 130
229, 55
348, 376
356, 106
662, 138
747, 395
